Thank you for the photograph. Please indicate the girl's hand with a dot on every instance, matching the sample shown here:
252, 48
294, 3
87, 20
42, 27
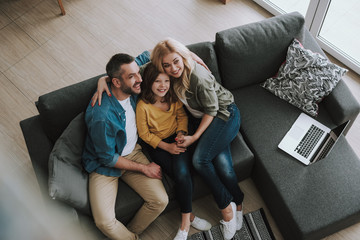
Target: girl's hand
102, 86
173, 148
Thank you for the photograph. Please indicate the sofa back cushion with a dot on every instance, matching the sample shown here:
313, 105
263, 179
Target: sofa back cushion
206, 51
251, 53
59, 107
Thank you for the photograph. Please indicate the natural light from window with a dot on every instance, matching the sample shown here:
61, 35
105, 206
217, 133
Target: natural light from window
334, 23
287, 6
341, 27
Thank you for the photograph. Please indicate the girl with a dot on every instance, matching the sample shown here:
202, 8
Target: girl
160, 119
217, 124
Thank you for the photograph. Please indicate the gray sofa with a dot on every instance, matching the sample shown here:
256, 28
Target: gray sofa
307, 202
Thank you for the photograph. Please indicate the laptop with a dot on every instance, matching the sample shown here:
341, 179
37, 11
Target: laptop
310, 141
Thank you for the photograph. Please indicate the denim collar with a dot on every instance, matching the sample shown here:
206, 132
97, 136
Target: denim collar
114, 101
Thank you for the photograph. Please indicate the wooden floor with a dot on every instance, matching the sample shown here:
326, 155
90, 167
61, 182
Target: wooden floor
41, 51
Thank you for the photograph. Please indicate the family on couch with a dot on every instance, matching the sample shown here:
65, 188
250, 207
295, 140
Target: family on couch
174, 77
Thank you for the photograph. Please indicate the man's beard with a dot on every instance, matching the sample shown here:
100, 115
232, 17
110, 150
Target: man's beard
128, 90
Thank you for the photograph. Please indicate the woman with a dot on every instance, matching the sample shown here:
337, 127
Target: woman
218, 122
160, 120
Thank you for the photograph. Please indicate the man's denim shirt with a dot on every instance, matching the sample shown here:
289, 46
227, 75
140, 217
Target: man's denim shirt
106, 137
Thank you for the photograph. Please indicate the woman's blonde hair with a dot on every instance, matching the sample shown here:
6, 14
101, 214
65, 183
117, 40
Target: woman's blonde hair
167, 46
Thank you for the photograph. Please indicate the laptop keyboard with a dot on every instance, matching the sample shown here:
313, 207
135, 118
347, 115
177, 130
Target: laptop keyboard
327, 148
309, 141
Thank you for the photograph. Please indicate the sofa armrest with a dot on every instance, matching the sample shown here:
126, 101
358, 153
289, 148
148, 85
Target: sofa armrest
309, 42
342, 105
39, 147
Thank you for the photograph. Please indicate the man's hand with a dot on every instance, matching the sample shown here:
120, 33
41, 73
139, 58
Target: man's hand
152, 170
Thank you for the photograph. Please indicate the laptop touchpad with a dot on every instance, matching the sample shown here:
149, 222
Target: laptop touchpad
296, 132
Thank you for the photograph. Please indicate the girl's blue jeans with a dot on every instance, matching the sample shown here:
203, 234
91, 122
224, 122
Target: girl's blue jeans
212, 158
178, 167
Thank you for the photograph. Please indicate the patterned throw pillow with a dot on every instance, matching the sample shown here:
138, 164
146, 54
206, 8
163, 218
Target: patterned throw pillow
305, 78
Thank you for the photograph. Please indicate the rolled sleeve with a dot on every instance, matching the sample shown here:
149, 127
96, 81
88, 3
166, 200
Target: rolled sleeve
143, 58
154, 142
115, 159
204, 96
103, 139
208, 99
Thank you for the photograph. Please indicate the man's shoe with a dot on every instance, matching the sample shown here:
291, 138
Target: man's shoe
181, 235
229, 228
200, 224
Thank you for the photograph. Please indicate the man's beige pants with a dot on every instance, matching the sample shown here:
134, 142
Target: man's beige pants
103, 191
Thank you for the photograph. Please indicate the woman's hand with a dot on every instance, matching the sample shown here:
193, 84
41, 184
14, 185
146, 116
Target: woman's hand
101, 87
180, 137
186, 141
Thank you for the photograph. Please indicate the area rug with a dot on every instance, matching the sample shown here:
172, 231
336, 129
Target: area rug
255, 227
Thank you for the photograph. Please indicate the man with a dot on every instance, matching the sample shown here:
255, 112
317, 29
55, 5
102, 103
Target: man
111, 151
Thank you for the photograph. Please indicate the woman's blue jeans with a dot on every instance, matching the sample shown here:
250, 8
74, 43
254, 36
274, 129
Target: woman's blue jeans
212, 158
176, 166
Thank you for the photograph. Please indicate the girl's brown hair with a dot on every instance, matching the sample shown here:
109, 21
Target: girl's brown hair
149, 76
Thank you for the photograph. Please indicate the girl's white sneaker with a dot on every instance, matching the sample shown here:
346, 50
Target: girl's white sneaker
200, 224
181, 235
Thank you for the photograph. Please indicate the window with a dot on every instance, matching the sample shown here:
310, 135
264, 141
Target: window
334, 23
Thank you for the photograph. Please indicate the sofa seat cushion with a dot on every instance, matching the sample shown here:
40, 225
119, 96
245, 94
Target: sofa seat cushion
243, 161
307, 202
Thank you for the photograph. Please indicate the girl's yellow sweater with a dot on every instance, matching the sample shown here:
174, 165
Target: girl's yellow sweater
155, 124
